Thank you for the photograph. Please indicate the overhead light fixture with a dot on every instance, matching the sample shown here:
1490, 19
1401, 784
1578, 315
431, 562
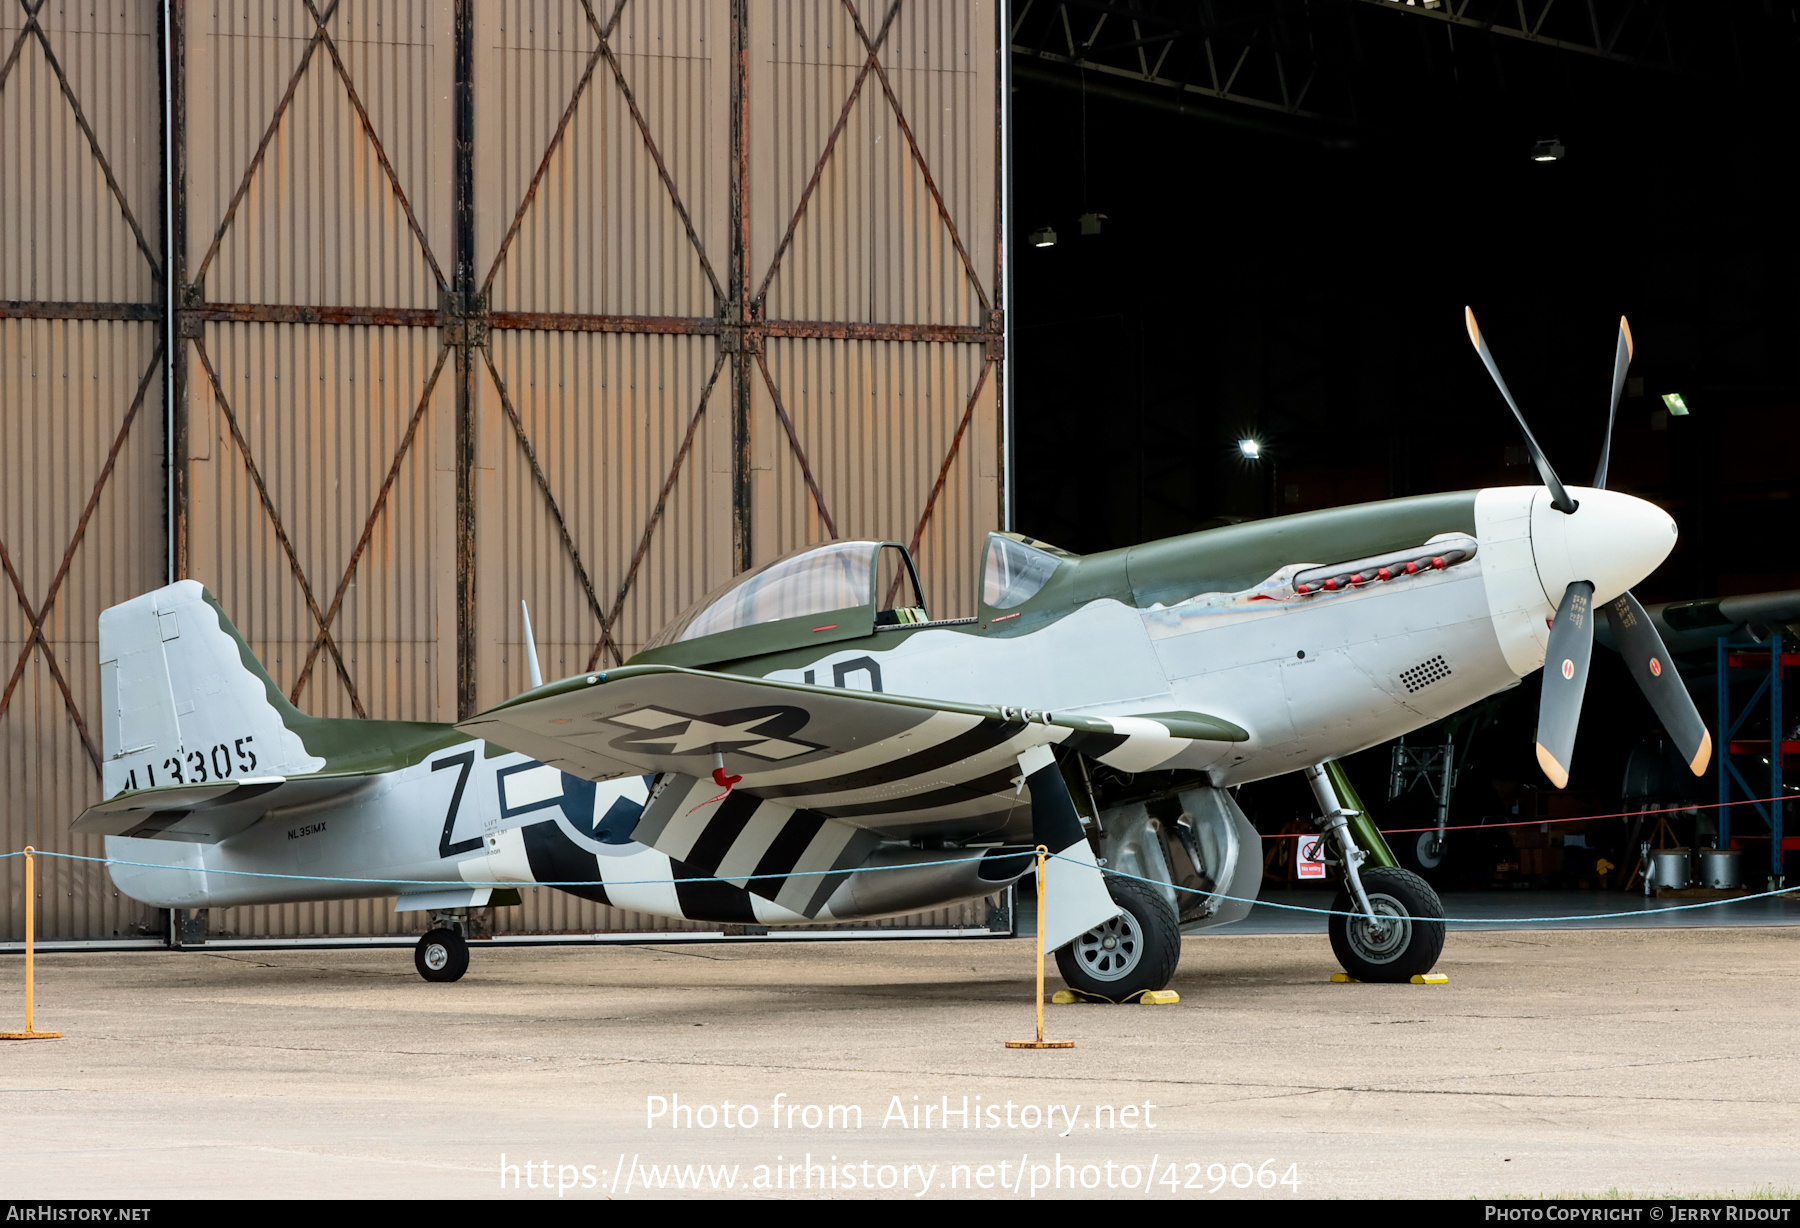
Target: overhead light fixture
1675, 405
1547, 151
1090, 223
1251, 449
1043, 236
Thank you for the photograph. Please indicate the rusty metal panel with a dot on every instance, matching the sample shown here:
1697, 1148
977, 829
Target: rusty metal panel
642, 384
335, 429
872, 175
594, 432
320, 461
317, 172
80, 131
598, 156
80, 420
597, 458
876, 421
80, 527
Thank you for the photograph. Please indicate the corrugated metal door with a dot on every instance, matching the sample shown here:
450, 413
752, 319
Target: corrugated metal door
739, 264
81, 418
590, 303
316, 366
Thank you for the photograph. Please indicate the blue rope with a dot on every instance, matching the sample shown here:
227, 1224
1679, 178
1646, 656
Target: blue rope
646, 882
441, 883
1328, 912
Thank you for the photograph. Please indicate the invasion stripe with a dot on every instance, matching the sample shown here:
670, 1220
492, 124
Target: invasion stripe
938, 727
1095, 745
555, 858
662, 807
728, 823
853, 849
984, 737
785, 850
994, 783
710, 899
748, 849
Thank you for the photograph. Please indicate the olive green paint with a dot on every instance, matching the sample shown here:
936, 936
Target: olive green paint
764, 639
1362, 824
1234, 557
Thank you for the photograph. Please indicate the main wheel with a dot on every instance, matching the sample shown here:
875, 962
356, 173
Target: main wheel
1134, 952
1409, 938
441, 955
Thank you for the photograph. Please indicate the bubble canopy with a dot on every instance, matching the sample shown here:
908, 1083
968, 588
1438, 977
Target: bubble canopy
815, 595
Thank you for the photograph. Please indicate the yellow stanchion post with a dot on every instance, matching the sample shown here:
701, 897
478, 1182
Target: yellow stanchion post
30, 1032
1040, 1042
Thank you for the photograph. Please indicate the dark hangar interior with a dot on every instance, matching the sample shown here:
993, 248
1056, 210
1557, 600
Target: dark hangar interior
1267, 218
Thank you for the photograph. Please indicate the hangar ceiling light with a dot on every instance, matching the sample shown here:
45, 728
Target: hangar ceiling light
1547, 151
1043, 236
1675, 404
1251, 449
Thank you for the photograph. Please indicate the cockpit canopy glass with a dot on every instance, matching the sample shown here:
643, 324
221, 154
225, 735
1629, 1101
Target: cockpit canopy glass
1014, 572
817, 580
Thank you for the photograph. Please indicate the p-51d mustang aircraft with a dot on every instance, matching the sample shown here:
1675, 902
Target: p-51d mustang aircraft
808, 724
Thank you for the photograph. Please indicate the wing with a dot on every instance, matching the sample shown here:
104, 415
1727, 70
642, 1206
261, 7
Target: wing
207, 814
890, 763
826, 774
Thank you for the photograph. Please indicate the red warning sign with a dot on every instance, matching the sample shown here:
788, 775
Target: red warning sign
1309, 856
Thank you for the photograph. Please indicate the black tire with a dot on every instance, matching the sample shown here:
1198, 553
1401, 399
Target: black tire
1146, 946
1422, 852
1407, 946
441, 955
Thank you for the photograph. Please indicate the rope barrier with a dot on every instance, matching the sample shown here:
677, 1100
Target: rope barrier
1579, 818
642, 882
1329, 912
581, 882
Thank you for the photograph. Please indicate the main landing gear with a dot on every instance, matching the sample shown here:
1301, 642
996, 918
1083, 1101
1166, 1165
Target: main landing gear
1134, 952
1397, 931
442, 955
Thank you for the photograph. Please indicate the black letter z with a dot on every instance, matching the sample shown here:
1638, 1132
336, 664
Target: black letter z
465, 761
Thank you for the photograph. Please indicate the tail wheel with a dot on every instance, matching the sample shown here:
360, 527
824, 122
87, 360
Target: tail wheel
441, 955
1422, 852
1403, 941
1134, 952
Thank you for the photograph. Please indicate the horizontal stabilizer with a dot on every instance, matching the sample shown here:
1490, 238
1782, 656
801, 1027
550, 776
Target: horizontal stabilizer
207, 814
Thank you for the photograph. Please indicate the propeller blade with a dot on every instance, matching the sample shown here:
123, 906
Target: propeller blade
1621, 363
1559, 498
1565, 681
1656, 677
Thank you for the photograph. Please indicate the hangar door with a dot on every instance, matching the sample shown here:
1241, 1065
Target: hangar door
81, 418
589, 303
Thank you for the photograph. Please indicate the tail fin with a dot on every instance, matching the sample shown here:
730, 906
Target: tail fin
185, 701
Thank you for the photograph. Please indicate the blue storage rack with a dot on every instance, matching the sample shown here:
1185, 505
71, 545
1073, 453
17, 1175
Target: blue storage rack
1767, 663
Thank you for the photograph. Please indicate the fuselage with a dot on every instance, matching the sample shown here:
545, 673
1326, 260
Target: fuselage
1212, 623
1319, 634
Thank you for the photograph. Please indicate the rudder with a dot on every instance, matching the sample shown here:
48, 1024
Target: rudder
183, 699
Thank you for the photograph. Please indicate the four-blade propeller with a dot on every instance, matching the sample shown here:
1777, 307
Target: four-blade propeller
1571, 646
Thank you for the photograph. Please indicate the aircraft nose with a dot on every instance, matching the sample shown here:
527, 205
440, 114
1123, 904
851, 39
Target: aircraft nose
1611, 539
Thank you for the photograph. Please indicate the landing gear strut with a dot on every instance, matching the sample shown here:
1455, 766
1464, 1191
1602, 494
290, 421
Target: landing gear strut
1396, 932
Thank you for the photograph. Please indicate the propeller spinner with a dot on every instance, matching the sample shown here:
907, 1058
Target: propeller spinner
1588, 549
